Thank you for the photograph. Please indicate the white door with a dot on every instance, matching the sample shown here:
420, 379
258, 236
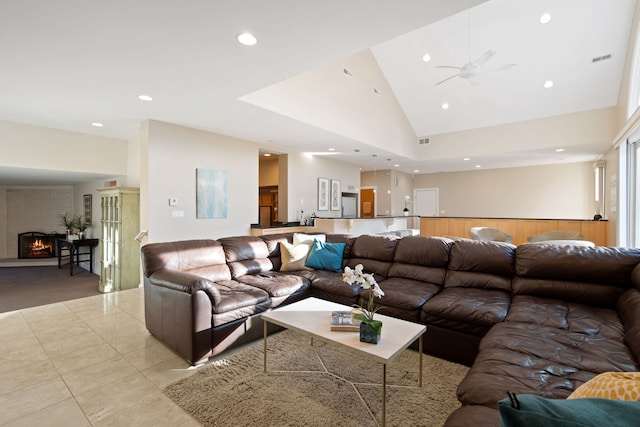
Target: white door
425, 201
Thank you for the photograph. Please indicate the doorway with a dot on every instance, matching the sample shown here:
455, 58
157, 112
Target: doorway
426, 201
368, 202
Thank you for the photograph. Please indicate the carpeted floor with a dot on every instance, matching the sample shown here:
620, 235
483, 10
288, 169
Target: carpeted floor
23, 287
234, 391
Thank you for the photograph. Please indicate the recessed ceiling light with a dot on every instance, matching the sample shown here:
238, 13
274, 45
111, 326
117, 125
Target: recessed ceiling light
545, 18
145, 98
96, 124
478, 166
445, 106
467, 158
247, 39
332, 149
396, 165
548, 84
267, 154
426, 57
416, 170
559, 150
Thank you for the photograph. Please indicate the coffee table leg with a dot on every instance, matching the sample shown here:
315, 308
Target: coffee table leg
384, 394
420, 365
265, 344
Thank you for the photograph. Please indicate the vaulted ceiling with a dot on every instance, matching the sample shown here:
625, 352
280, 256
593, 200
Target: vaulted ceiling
346, 75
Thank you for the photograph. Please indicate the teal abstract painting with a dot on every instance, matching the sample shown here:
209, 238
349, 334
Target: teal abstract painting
211, 193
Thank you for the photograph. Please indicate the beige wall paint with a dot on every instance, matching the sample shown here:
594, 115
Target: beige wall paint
32, 147
594, 127
611, 195
171, 155
625, 85
269, 171
304, 171
391, 187
325, 97
559, 191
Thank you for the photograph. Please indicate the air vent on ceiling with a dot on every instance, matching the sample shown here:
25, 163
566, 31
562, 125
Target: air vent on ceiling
347, 72
424, 141
601, 58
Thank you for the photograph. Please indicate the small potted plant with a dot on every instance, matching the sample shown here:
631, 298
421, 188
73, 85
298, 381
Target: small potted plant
82, 226
407, 202
370, 329
69, 222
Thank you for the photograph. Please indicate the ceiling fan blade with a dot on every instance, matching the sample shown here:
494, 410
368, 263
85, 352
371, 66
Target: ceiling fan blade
500, 67
448, 78
484, 58
449, 66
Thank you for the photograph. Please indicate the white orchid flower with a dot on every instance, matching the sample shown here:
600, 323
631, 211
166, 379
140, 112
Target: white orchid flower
368, 281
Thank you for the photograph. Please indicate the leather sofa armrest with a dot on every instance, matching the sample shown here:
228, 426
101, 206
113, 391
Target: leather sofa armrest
635, 277
185, 282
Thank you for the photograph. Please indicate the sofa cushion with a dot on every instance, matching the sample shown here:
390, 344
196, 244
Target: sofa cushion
566, 315
536, 411
273, 242
201, 257
246, 255
326, 256
599, 264
280, 287
497, 258
480, 264
527, 358
628, 309
473, 416
610, 385
294, 257
422, 259
237, 301
374, 252
469, 310
403, 298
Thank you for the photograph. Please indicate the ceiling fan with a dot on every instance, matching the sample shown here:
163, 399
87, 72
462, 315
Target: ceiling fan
472, 70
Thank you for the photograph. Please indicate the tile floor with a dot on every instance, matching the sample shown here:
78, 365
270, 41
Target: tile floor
87, 362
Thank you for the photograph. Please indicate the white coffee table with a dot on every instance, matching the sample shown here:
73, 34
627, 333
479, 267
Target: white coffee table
311, 317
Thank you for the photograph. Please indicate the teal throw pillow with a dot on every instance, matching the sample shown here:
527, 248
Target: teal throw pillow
535, 411
326, 256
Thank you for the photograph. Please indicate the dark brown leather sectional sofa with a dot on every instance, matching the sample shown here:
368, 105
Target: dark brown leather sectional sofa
537, 318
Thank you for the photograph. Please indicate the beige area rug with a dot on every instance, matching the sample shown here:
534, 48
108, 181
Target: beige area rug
234, 390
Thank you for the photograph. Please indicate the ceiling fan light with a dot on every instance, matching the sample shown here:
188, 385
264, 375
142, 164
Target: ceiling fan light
545, 18
426, 57
548, 84
445, 106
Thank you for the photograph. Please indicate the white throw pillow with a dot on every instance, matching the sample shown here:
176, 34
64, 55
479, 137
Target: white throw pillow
294, 257
308, 238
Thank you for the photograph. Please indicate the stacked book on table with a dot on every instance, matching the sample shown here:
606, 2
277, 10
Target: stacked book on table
344, 321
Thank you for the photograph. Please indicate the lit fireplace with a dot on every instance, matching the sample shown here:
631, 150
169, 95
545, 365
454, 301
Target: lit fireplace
34, 244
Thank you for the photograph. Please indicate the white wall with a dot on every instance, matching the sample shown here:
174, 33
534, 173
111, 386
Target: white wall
170, 155
32, 147
303, 173
34, 209
558, 191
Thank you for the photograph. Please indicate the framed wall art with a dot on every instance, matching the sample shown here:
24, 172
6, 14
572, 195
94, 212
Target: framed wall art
336, 195
323, 194
211, 193
88, 201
